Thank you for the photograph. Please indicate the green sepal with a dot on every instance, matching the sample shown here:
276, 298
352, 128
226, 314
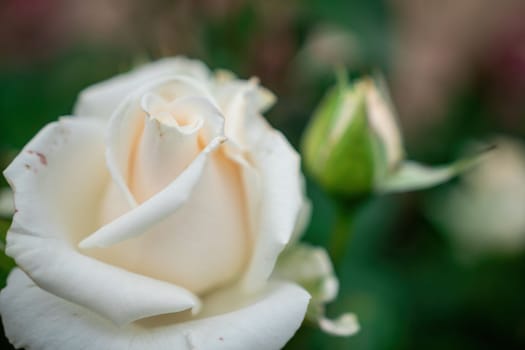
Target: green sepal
412, 176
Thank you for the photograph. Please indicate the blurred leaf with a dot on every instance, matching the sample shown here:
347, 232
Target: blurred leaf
6, 263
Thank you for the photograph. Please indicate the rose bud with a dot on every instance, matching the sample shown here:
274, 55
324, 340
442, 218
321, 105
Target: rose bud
154, 217
353, 145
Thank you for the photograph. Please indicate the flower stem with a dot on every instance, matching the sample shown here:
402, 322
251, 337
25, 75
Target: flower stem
341, 233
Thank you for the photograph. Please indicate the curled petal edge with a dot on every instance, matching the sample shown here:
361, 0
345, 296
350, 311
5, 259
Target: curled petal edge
157, 208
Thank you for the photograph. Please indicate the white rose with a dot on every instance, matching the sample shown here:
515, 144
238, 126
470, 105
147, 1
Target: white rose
153, 219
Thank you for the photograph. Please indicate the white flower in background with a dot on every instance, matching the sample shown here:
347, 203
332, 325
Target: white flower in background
326, 47
153, 219
484, 213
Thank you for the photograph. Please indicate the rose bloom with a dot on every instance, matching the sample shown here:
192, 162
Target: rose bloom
154, 217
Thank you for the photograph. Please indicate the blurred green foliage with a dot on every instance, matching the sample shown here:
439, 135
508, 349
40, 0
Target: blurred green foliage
399, 274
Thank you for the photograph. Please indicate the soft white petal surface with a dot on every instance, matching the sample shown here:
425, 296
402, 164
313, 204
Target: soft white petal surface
58, 179
154, 210
162, 154
143, 162
127, 123
101, 100
57, 176
281, 200
212, 222
34, 319
173, 135
175, 193
226, 82
242, 102
303, 218
117, 294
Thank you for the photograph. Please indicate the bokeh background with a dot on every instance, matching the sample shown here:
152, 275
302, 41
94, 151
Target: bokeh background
456, 70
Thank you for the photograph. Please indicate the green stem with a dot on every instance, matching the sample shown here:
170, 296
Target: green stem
342, 232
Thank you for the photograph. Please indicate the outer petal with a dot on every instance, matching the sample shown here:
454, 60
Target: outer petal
62, 164
280, 203
119, 295
100, 100
303, 218
57, 180
311, 268
34, 319
242, 102
381, 114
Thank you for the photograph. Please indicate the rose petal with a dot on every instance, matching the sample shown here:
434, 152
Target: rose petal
117, 294
185, 235
244, 128
251, 185
34, 319
280, 203
242, 102
381, 113
101, 100
127, 123
58, 179
303, 218
196, 111
227, 83
122, 136
162, 154
311, 268
213, 221
138, 220
343, 326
